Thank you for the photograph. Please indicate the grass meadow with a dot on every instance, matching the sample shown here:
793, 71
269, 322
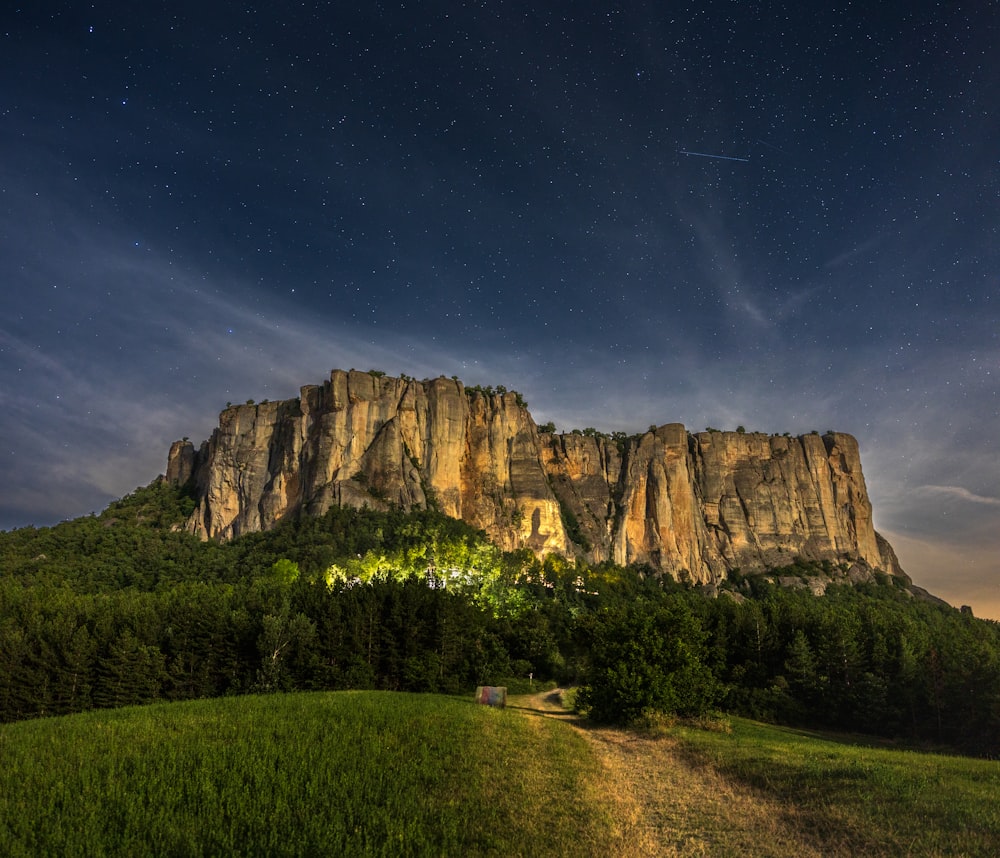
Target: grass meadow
859, 798
348, 773
384, 774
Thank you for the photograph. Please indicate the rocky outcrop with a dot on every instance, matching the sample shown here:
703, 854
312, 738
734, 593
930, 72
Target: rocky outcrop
690, 505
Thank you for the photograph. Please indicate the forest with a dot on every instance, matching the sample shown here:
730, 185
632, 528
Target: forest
124, 608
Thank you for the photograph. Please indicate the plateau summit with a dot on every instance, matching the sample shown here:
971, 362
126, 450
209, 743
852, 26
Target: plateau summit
695, 506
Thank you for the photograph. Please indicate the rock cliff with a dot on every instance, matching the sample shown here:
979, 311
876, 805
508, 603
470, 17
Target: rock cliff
689, 505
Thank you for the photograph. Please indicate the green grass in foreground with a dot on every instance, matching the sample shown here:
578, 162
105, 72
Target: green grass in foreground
349, 773
871, 800
374, 773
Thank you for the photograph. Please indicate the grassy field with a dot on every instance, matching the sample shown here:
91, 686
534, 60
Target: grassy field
373, 773
850, 797
307, 774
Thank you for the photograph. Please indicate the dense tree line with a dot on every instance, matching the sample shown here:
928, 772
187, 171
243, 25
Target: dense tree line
124, 608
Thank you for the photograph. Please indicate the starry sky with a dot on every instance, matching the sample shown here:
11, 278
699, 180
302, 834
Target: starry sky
781, 216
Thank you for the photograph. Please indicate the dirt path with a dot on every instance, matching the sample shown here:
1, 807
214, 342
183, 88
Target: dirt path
667, 806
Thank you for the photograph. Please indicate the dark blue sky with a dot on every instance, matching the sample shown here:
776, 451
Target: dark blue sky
717, 214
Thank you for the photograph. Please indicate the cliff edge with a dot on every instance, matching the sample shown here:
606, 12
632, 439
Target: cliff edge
689, 505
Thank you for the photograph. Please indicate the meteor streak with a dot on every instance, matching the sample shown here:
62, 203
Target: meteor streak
705, 155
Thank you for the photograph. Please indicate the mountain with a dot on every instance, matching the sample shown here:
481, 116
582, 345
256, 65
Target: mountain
691, 505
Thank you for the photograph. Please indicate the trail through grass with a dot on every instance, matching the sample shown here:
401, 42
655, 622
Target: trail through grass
665, 805
770, 791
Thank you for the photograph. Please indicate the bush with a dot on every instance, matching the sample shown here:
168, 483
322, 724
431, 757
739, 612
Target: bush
647, 660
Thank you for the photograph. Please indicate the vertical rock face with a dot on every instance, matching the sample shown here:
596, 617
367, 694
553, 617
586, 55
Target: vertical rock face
693, 506
363, 439
662, 521
768, 498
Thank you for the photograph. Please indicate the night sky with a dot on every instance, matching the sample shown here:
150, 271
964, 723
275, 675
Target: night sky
771, 215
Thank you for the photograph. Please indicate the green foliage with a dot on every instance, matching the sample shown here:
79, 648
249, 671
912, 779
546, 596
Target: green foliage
548, 428
158, 505
132, 543
572, 526
125, 608
285, 572
646, 660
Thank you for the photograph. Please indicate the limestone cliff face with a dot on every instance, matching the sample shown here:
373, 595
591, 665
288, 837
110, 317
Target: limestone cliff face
689, 505
361, 439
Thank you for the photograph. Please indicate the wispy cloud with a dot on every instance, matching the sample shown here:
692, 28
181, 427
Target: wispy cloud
959, 493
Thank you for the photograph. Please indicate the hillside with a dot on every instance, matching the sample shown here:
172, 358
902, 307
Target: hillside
693, 506
124, 608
